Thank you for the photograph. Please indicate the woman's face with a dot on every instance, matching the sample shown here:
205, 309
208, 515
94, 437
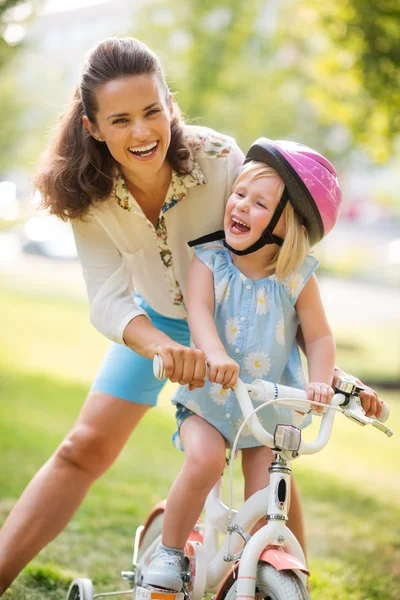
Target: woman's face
249, 210
134, 120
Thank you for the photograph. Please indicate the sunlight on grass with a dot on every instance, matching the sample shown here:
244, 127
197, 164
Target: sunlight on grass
49, 354
360, 455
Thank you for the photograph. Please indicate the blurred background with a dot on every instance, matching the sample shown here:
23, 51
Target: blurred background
325, 74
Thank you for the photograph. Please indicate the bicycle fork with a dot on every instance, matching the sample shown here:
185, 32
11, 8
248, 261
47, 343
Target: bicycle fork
274, 543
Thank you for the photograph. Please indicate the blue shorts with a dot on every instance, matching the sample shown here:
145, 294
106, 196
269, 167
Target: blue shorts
128, 375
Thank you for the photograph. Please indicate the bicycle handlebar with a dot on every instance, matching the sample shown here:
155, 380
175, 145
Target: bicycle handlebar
296, 399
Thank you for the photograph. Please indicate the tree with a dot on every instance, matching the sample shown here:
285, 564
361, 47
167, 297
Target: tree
316, 72
349, 62
11, 105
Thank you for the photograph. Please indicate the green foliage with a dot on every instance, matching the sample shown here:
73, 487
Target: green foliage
11, 104
11, 107
349, 53
324, 73
6, 51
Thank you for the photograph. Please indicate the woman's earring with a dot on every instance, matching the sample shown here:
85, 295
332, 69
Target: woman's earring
99, 139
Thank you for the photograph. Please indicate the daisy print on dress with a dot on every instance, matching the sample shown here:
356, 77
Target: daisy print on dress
232, 330
280, 332
194, 407
262, 302
294, 284
218, 394
222, 290
257, 364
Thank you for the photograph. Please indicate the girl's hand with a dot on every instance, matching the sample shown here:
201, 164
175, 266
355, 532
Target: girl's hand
370, 400
182, 364
222, 369
319, 392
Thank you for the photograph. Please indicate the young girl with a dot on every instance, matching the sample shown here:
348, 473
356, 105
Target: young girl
247, 296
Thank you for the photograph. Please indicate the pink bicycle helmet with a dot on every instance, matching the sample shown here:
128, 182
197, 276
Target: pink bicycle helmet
310, 182
311, 187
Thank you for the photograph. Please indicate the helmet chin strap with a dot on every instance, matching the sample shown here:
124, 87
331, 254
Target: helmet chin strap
267, 236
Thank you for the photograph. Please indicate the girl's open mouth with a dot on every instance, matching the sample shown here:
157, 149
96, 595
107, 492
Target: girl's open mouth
144, 152
237, 227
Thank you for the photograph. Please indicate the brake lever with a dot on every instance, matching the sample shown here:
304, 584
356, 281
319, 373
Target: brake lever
382, 427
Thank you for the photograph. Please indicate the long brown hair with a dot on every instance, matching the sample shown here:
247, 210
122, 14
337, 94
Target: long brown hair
76, 170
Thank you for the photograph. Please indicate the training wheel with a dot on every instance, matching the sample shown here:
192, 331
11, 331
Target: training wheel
198, 570
80, 589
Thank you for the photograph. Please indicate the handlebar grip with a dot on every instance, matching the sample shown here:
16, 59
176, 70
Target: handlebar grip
158, 367
385, 413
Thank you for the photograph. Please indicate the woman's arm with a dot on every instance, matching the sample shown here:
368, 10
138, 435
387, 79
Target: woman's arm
318, 341
115, 314
108, 284
200, 305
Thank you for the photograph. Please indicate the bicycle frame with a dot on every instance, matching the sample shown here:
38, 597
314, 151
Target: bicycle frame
274, 543
213, 569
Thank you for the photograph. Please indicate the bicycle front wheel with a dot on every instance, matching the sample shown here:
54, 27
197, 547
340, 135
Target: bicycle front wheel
80, 589
274, 585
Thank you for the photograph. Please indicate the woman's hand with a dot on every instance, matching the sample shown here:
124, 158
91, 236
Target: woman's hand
222, 369
370, 400
183, 365
319, 392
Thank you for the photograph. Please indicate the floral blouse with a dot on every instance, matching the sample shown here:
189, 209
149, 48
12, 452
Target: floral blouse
123, 255
210, 144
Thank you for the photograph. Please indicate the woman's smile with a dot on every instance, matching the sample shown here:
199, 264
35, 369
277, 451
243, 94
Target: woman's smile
134, 119
144, 151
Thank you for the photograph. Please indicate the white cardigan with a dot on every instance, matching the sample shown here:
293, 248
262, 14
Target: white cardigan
117, 245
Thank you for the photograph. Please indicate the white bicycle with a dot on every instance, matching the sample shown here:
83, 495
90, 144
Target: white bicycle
270, 564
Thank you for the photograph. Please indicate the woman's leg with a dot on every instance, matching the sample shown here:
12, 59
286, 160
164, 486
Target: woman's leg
255, 465
121, 393
56, 491
204, 464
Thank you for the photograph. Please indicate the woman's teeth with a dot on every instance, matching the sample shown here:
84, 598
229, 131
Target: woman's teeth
144, 150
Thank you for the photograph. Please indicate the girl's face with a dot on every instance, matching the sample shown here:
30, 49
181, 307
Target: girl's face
249, 210
134, 120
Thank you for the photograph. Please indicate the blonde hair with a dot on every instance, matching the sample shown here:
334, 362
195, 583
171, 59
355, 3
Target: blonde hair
296, 245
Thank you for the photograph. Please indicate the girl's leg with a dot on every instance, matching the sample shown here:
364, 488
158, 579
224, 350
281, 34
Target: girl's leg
204, 463
255, 464
56, 491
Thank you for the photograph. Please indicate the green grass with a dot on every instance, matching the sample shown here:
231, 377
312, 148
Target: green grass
48, 356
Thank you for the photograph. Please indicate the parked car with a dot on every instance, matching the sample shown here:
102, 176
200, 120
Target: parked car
48, 236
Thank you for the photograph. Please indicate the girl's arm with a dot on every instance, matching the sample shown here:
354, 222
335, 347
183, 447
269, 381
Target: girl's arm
371, 402
200, 306
318, 341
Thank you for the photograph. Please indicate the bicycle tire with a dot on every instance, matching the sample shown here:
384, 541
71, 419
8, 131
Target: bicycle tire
274, 585
152, 532
80, 589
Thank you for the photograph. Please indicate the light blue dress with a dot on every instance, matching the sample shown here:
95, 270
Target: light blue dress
257, 324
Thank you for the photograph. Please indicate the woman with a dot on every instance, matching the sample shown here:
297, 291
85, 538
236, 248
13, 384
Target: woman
137, 185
